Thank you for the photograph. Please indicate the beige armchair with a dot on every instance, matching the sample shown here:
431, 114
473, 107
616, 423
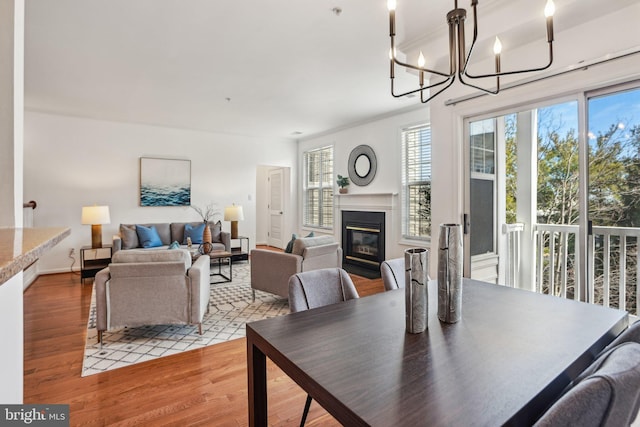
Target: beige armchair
270, 270
150, 288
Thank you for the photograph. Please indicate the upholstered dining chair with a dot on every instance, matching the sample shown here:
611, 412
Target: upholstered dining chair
632, 333
606, 394
392, 273
317, 288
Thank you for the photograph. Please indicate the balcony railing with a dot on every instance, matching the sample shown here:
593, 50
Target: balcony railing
613, 263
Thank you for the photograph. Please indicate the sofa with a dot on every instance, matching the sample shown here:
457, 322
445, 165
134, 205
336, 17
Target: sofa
270, 270
128, 237
142, 287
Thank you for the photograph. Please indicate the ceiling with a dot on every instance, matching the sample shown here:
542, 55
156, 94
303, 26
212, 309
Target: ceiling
276, 69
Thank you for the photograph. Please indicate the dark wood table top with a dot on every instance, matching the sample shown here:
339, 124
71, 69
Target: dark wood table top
503, 363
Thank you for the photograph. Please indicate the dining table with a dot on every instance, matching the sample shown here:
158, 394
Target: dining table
504, 362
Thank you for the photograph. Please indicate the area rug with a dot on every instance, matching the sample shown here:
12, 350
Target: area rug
230, 308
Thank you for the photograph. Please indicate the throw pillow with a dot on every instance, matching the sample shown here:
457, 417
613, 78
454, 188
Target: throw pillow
289, 247
129, 236
148, 236
193, 231
174, 245
216, 230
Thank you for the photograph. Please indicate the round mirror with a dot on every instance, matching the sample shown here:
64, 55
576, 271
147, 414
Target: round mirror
362, 165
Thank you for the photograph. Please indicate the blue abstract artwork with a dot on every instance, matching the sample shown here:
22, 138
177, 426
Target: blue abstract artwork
165, 182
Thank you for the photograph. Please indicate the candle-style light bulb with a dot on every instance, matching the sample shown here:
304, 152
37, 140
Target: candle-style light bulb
391, 4
549, 9
421, 62
497, 46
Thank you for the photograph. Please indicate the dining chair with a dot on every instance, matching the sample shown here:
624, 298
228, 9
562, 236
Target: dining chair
392, 272
632, 333
606, 394
317, 288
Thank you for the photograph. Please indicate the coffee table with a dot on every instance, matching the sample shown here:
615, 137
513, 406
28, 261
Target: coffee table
220, 257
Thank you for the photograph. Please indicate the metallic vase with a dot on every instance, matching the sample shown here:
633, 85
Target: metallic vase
416, 262
450, 273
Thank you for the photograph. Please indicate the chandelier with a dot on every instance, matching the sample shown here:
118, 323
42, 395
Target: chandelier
458, 58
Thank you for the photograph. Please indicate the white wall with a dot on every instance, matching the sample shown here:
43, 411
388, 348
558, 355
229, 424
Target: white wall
11, 146
383, 136
72, 162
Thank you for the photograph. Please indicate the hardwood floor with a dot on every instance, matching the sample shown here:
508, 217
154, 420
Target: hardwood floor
205, 387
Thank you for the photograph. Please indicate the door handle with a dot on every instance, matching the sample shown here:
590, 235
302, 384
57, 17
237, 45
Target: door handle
466, 225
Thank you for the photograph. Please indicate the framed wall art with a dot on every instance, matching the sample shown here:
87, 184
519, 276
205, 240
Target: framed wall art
165, 182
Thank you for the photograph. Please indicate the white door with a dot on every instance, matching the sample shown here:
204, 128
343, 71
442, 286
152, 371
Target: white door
275, 235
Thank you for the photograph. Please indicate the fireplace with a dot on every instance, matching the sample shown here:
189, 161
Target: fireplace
363, 242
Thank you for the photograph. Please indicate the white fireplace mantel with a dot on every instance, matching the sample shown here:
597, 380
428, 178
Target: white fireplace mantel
367, 201
371, 202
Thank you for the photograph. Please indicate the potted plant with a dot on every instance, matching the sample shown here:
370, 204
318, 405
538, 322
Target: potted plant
343, 183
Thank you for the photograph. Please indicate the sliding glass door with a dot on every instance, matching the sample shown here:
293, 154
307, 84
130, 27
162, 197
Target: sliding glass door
614, 196
552, 208
523, 172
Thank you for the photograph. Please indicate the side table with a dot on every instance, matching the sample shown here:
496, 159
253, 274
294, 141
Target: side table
93, 260
239, 253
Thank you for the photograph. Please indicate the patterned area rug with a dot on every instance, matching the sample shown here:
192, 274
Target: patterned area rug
230, 308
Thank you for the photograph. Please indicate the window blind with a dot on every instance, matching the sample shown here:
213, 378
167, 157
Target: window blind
416, 184
318, 188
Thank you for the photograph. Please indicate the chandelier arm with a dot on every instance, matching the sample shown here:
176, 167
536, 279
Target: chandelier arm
508, 73
426, 70
424, 101
450, 79
475, 37
490, 92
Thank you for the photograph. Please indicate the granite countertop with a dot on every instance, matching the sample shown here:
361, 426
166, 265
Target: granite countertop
20, 247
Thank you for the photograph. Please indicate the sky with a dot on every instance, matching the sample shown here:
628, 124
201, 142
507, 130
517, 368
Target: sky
622, 108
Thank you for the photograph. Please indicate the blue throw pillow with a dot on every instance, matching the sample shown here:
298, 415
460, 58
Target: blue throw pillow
195, 232
148, 236
174, 245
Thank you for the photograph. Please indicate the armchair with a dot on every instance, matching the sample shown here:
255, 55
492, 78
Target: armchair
152, 287
270, 271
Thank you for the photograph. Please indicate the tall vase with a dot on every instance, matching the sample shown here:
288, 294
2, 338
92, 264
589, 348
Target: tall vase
206, 246
450, 273
416, 263
206, 234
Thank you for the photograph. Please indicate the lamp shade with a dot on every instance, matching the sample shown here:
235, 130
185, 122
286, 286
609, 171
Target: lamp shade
233, 213
92, 215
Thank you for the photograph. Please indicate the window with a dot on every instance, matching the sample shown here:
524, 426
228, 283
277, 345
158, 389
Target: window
416, 182
318, 188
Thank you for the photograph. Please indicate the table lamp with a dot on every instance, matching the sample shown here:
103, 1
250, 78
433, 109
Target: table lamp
96, 216
234, 214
